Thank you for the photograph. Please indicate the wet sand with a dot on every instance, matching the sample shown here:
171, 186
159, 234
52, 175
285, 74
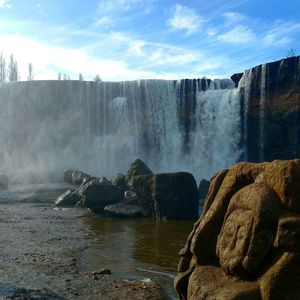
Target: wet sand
41, 254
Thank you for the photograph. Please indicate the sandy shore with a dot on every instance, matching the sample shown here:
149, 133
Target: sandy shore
40, 256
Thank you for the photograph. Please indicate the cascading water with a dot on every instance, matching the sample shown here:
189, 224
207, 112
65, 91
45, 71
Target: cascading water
188, 125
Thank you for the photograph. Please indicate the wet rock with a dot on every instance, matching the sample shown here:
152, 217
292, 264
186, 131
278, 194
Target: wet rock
120, 181
233, 244
123, 210
142, 185
202, 192
138, 167
3, 182
167, 195
96, 196
130, 197
67, 199
75, 177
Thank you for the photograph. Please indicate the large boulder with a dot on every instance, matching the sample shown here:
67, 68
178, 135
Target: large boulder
68, 199
76, 177
120, 181
167, 195
246, 243
98, 195
138, 167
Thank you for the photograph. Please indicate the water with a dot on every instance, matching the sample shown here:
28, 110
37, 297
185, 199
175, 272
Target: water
141, 249
187, 125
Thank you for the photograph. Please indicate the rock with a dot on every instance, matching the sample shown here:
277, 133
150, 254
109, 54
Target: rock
96, 196
210, 282
138, 167
275, 107
123, 210
249, 229
142, 185
75, 177
288, 233
202, 193
120, 181
231, 250
167, 195
3, 182
130, 197
281, 281
236, 78
67, 199
175, 196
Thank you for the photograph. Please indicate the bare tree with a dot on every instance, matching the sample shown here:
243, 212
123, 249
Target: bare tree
30, 72
59, 76
65, 77
97, 78
291, 52
13, 74
80, 77
2, 68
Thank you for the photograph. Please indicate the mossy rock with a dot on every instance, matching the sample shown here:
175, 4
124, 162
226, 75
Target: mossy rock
138, 167
175, 196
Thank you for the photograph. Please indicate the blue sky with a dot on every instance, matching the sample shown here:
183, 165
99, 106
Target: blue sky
134, 39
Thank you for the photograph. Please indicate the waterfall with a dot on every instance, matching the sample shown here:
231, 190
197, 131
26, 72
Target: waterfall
101, 127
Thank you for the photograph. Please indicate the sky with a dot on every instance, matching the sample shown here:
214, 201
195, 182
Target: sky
135, 39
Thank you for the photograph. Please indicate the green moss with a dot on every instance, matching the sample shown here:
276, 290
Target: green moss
138, 167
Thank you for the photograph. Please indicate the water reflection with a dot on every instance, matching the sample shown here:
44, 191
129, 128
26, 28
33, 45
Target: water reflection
129, 244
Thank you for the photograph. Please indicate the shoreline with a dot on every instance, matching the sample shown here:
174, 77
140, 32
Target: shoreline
41, 250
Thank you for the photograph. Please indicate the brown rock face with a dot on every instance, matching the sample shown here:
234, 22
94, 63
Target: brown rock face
251, 217
271, 107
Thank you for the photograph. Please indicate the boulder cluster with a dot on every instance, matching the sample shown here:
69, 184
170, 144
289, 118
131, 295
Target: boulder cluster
246, 244
139, 193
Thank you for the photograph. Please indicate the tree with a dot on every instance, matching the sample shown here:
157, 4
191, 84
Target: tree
291, 53
30, 72
13, 74
80, 77
97, 78
59, 76
2, 68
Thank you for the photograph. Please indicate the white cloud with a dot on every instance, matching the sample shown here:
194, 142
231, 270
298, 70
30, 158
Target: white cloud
184, 18
281, 34
5, 4
238, 35
234, 17
105, 6
103, 21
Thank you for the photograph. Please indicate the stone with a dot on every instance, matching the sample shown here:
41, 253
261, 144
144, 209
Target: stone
120, 181
3, 182
210, 282
123, 210
288, 233
130, 197
75, 177
142, 185
96, 196
138, 167
245, 245
67, 199
203, 188
249, 229
167, 195
281, 281
175, 196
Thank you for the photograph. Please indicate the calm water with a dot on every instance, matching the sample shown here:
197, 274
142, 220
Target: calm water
140, 248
